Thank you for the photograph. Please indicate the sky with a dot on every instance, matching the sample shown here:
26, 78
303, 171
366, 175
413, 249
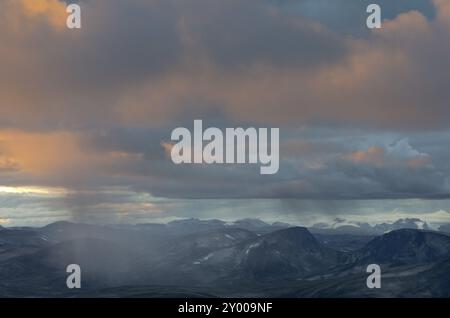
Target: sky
364, 115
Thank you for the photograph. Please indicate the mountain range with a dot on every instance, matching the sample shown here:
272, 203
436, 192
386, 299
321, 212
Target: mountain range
342, 226
198, 258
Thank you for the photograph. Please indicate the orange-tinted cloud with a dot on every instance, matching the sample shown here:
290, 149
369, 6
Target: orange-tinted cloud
374, 155
419, 162
54, 11
58, 158
41, 152
380, 157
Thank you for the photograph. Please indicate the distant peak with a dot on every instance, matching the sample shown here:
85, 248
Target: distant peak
58, 224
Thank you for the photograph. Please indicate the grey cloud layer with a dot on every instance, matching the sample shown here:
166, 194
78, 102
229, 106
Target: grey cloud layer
138, 69
316, 164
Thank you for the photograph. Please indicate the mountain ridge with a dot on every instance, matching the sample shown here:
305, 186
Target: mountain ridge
224, 260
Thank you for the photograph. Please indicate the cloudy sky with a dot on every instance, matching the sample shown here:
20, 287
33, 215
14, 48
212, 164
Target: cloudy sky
364, 115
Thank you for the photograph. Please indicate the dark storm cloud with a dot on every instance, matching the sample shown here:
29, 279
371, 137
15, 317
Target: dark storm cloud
243, 33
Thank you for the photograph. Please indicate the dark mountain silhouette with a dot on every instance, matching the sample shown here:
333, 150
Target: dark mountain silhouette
284, 252
291, 252
406, 247
407, 223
